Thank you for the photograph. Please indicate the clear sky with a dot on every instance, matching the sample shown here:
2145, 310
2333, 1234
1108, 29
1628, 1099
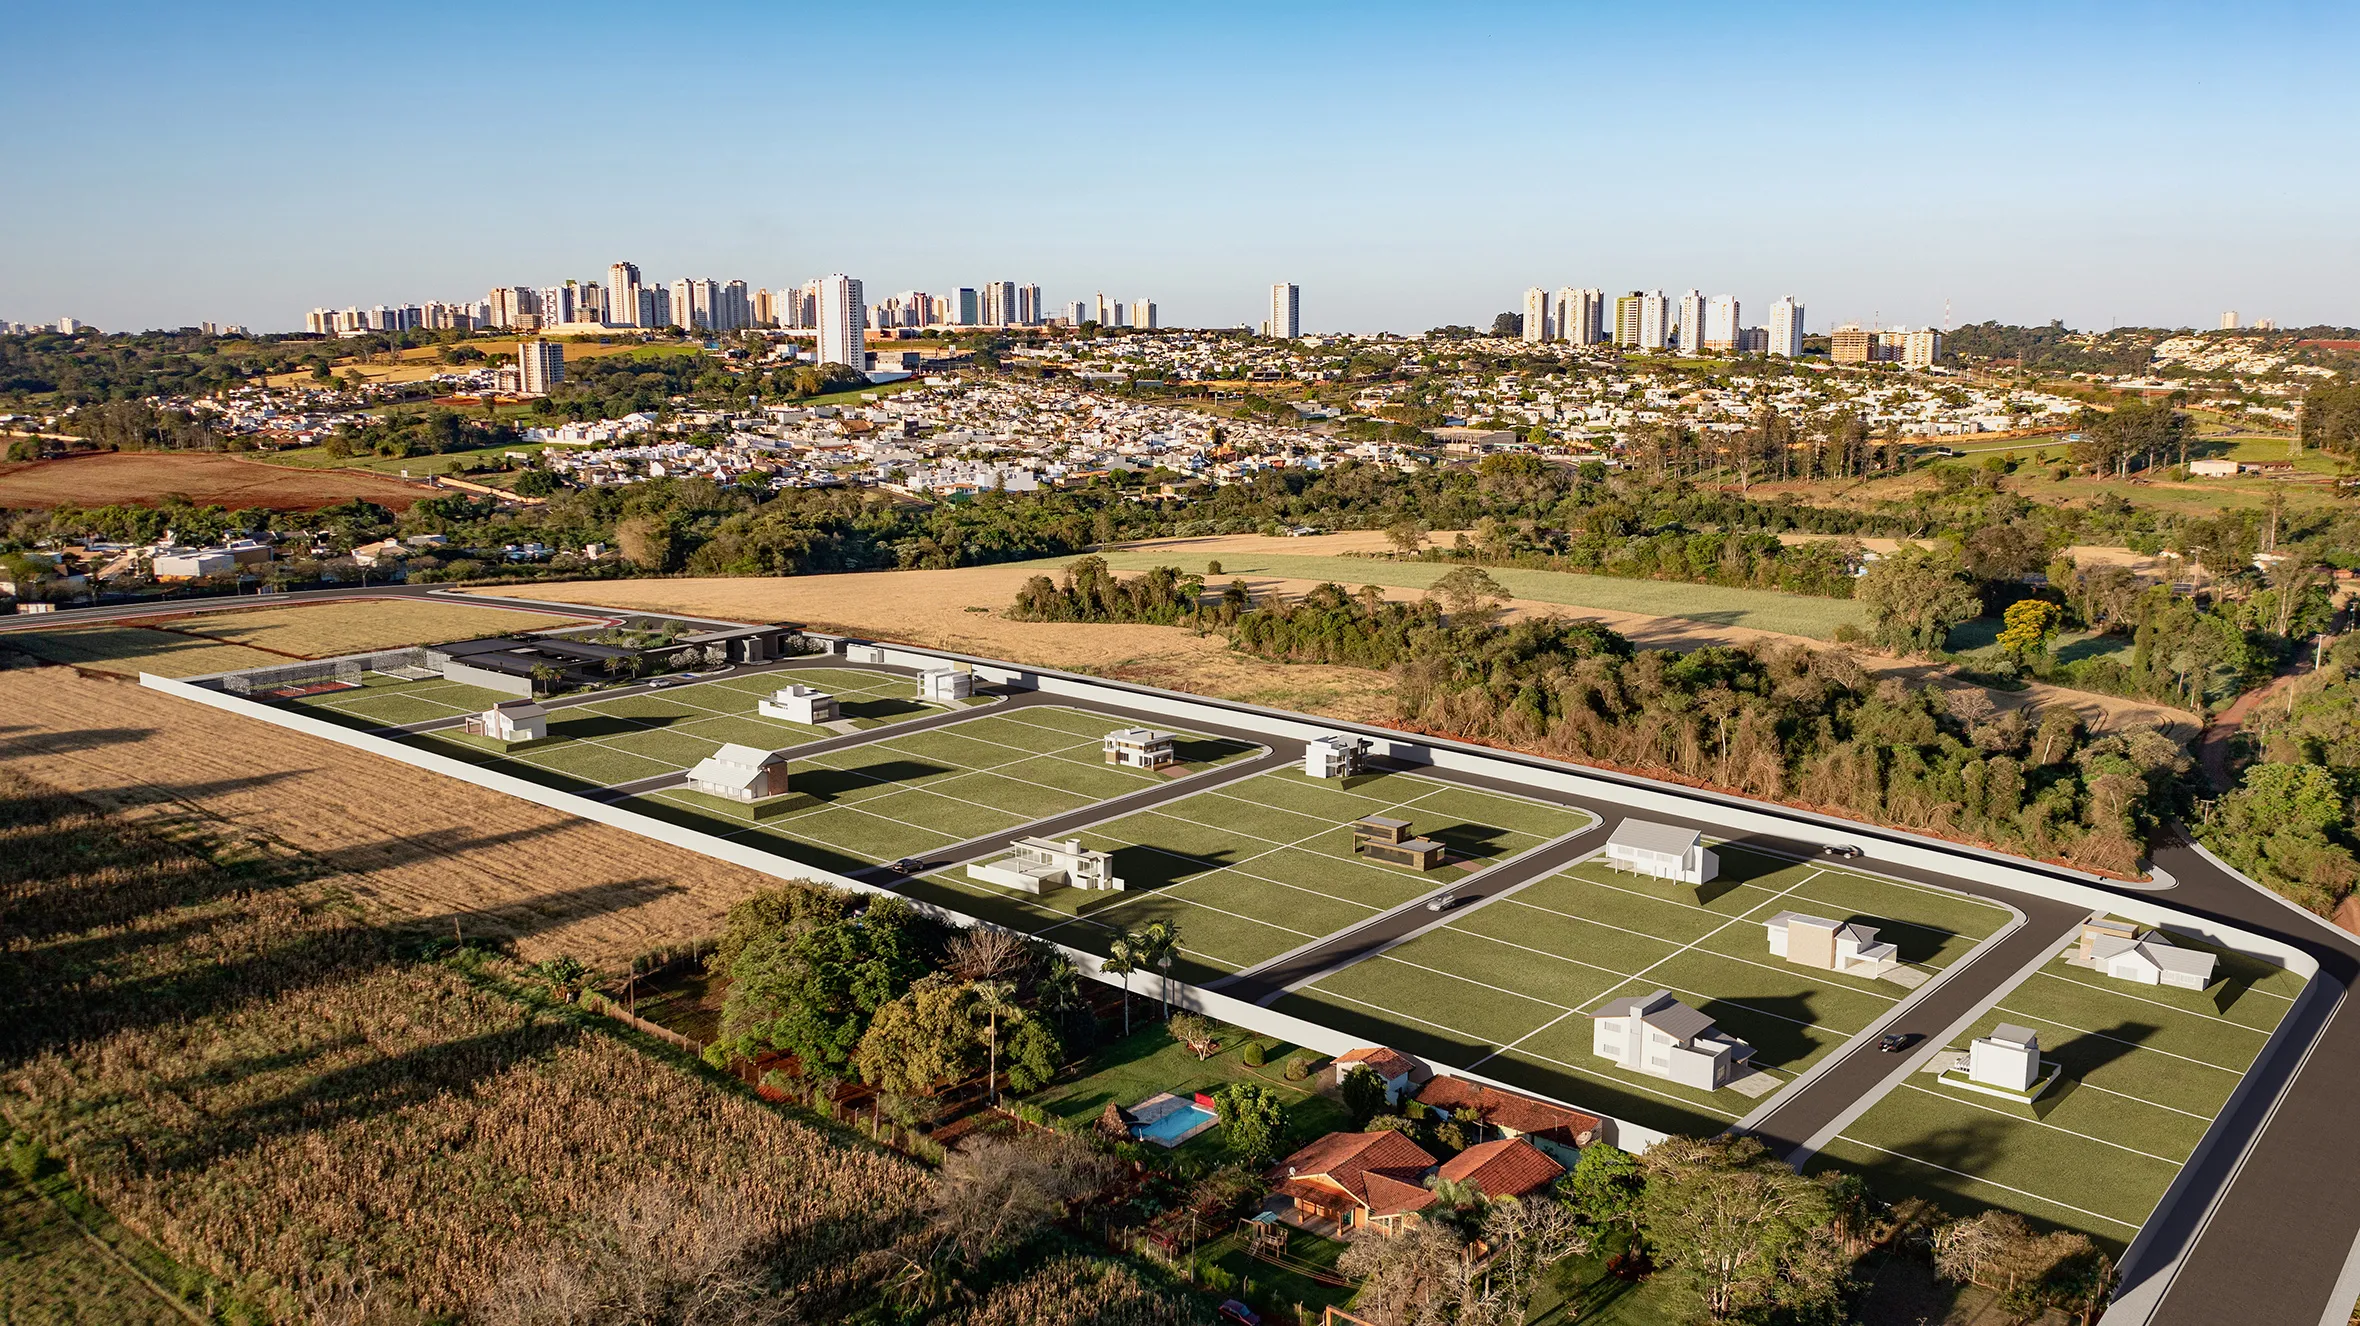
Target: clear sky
1407, 166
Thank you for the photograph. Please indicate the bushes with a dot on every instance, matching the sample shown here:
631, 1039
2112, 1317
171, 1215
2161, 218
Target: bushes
1252, 1054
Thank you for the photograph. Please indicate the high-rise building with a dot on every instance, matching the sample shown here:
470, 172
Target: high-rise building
1922, 348
589, 301
1077, 313
655, 307
622, 294
1655, 320
765, 308
540, 365
999, 304
1578, 315
1143, 313
1538, 325
1848, 344
1286, 311
843, 316
511, 305
1626, 318
1028, 306
1786, 328
966, 309
1692, 323
2229, 320
557, 304
733, 307
1720, 326
2265, 324
1103, 311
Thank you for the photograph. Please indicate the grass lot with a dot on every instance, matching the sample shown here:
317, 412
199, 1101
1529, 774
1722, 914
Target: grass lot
131, 650
1506, 988
1278, 1290
923, 791
322, 630
1149, 1061
1254, 869
1760, 609
2146, 1069
860, 395
415, 467
62, 1259
1979, 640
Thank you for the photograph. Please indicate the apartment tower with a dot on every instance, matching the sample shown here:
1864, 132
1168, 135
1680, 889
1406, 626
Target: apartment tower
843, 323
1786, 328
1286, 311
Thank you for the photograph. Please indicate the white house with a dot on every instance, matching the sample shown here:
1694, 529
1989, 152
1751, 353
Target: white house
1140, 748
1658, 1035
1392, 1067
1816, 941
740, 773
799, 704
1334, 756
2212, 467
943, 685
511, 721
863, 653
2008, 1058
1040, 865
1662, 851
2150, 959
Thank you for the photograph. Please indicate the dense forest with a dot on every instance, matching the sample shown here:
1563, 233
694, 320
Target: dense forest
2051, 347
89, 367
2289, 821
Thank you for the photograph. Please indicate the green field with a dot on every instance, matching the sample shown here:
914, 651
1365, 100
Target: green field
1758, 609
916, 793
1506, 988
2146, 1069
1251, 870
1149, 1061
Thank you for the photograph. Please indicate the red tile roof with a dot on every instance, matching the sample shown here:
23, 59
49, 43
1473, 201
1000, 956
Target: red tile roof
1385, 1063
1504, 1169
1507, 1109
1374, 1168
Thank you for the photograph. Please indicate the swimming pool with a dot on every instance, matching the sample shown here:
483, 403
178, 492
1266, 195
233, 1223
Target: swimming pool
1168, 1120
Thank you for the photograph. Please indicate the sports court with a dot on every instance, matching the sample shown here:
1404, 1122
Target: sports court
1506, 989
2146, 1069
919, 792
1257, 868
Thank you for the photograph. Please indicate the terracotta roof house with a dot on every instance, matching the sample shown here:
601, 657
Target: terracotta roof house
1503, 1170
1558, 1131
1393, 1068
1358, 1180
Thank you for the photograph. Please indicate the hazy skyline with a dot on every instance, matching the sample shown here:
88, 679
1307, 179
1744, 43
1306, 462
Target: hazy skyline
1407, 167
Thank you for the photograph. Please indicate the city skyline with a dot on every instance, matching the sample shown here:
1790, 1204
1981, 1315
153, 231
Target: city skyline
1934, 193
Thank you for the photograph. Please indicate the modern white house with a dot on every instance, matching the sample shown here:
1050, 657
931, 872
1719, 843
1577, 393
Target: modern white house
1042, 865
740, 773
511, 721
1334, 756
1140, 748
1843, 946
943, 685
863, 653
2150, 959
1660, 1036
1662, 851
799, 704
2005, 1063
1392, 1067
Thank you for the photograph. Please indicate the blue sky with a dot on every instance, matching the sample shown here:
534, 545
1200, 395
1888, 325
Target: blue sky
1407, 166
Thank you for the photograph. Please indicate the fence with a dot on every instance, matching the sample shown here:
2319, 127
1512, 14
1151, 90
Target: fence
347, 668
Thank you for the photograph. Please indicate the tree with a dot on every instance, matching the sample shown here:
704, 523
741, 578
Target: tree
1603, 1187
997, 1000
1470, 596
2027, 626
1153, 945
1406, 535
1739, 1230
1363, 1093
1530, 1236
1253, 1120
922, 1040
1193, 1031
998, 1191
1121, 960
1034, 1055
1914, 596
810, 989
1418, 1276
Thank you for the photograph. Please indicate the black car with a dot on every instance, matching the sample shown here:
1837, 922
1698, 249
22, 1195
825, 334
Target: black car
908, 865
1895, 1042
1846, 850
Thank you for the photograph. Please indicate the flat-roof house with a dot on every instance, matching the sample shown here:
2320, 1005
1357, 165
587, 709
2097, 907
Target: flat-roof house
1559, 1131
1392, 1067
2150, 959
2212, 467
1041, 865
192, 565
799, 704
2008, 1058
1660, 1036
1373, 1180
511, 721
1140, 748
1662, 851
740, 773
1334, 756
1844, 946
1388, 840
943, 685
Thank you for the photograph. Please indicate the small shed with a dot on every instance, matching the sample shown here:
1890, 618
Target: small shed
740, 773
1388, 840
1140, 748
1334, 756
1661, 850
511, 721
799, 704
944, 685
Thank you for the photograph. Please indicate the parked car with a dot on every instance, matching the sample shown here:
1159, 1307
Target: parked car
1840, 849
1894, 1042
1237, 1313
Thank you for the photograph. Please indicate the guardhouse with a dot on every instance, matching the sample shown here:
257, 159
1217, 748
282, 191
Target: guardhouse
799, 704
1662, 851
1041, 865
740, 773
511, 721
944, 685
1140, 748
1388, 840
1335, 756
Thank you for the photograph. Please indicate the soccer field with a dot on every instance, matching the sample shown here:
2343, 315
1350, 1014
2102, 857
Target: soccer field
1257, 868
1507, 988
919, 792
2145, 1071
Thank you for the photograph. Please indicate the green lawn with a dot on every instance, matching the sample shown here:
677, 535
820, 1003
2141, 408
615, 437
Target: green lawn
1149, 1061
1759, 609
1251, 870
2145, 1070
1279, 1290
1506, 988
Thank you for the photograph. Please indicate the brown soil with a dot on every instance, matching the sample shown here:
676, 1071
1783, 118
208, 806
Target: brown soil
417, 845
142, 478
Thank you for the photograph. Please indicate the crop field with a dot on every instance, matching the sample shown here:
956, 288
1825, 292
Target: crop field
1253, 869
131, 650
136, 478
923, 791
322, 630
2146, 1070
1507, 988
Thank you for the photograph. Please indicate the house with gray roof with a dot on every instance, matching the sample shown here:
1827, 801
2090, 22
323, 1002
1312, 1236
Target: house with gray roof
1660, 1036
1662, 851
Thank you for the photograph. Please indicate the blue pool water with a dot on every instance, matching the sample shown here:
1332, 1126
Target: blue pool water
1168, 1130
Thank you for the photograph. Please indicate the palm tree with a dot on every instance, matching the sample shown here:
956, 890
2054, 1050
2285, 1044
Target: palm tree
998, 1000
1122, 959
1158, 942
1059, 987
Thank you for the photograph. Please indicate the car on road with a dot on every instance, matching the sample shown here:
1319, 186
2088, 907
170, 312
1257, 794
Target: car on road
661, 682
1894, 1042
908, 865
1238, 1314
1845, 850
1442, 903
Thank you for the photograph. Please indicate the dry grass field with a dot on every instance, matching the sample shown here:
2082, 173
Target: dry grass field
319, 630
410, 844
131, 650
140, 478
